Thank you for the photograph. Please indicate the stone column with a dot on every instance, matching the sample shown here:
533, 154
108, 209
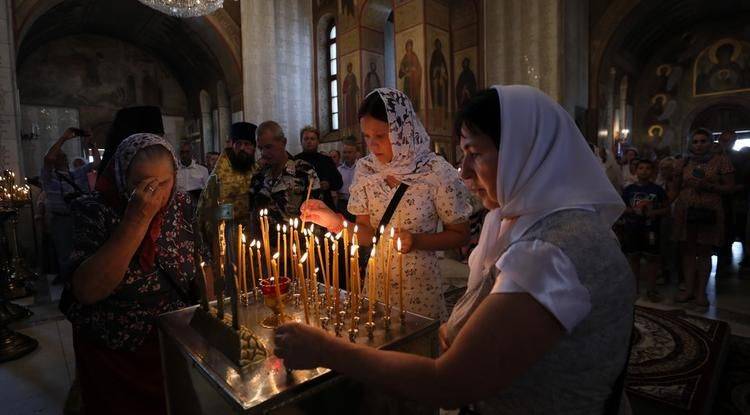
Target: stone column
277, 64
523, 44
9, 108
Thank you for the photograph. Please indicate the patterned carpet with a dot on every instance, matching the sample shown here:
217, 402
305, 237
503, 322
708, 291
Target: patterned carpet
734, 386
675, 362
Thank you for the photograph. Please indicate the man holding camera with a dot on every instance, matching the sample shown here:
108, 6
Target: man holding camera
61, 186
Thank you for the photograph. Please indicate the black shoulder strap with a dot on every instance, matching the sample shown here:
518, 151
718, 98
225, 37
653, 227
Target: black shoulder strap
392, 205
69, 181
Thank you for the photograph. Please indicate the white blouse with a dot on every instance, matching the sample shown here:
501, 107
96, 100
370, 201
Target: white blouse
547, 274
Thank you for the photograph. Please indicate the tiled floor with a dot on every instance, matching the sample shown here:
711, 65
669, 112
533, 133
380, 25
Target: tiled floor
38, 383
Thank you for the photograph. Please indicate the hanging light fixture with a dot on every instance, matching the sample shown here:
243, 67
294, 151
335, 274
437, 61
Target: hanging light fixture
184, 8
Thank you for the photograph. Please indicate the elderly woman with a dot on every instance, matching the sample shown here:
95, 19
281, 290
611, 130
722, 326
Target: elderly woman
133, 243
545, 323
400, 153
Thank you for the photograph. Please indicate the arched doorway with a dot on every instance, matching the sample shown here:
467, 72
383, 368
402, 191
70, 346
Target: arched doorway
725, 116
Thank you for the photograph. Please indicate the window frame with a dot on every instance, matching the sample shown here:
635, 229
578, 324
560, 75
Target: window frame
331, 77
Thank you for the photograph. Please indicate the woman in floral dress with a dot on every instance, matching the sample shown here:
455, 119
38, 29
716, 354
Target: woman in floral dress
133, 256
400, 153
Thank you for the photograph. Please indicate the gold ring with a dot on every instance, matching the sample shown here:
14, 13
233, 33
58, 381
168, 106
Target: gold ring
150, 189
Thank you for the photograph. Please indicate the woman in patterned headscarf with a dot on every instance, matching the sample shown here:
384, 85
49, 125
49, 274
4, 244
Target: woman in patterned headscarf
400, 153
133, 247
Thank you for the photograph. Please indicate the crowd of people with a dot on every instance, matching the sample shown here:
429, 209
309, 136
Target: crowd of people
123, 230
681, 210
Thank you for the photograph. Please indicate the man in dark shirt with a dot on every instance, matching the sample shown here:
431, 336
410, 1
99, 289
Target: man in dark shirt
330, 178
646, 203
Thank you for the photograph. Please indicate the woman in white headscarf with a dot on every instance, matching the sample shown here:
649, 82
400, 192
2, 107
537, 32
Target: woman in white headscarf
400, 153
545, 323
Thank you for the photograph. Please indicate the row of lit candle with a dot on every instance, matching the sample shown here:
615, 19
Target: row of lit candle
299, 262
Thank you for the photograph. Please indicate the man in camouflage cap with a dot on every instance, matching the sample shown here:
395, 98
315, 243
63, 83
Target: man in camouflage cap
281, 185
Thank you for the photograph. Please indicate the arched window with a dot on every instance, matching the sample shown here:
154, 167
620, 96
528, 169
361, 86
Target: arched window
332, 78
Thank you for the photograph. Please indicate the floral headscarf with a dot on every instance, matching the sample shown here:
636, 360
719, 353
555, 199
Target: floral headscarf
117, 195
409, 141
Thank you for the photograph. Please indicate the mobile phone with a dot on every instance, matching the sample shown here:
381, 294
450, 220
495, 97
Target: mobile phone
80, 133
699, 173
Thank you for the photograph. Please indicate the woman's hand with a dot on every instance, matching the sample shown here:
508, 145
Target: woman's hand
145, 201
443, 336
300, 346
407, 240
316, 211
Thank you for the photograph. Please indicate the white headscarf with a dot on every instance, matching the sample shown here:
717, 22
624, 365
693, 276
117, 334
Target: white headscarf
409, 141
544, 165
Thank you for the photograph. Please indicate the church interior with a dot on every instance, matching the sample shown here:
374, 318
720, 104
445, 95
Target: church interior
269, 105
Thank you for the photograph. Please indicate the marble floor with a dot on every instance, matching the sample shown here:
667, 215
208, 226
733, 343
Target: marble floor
38, 383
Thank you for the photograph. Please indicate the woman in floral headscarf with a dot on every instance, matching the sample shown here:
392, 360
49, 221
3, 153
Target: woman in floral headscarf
133, 256
400, 153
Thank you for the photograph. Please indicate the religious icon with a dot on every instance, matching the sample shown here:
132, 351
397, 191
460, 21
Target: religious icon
722, 68
372, 81
351, 97
439, 84
410, 73
466, 86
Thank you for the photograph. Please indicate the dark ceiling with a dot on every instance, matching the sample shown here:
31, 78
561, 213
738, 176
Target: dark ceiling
653, 23
169, 38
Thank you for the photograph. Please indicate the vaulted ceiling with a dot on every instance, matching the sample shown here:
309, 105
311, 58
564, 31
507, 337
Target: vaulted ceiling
177, 42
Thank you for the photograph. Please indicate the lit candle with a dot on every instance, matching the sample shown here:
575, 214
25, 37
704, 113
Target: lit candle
326, 279
336, 292
241, 255
346, 255
375, 271
301, 276
388, 271
252, 268
278, 241
400, 278
284, 251
371, 283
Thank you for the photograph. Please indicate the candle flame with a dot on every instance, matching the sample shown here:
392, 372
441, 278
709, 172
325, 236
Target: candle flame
374, 240
372, 253
333, 247
278, 228
398, 245
393, 231
327, 235
275, 256
303, 259
252, 243
203, 264
317, 270
346, 224
317, 241
296, 223
312, 228
353, 250
294, 249
356, 228
243, 238
283, 228
338, 236
382, 229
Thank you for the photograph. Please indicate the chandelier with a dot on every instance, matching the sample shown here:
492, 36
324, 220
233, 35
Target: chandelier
184, 8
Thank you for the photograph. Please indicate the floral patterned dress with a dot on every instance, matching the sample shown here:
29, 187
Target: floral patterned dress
690, 196
125, 319
440, 197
